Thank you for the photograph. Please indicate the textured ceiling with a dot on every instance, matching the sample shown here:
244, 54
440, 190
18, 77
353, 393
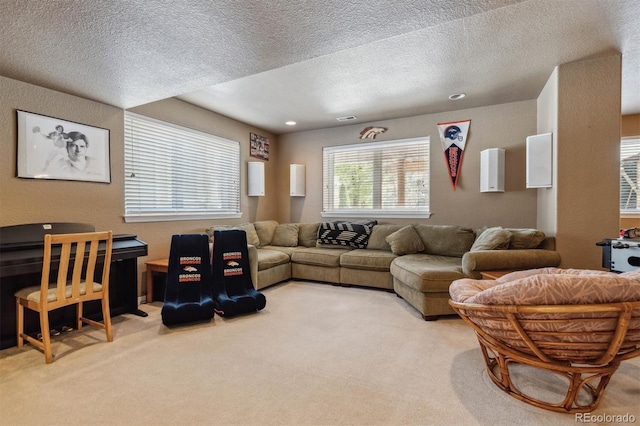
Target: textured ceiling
267, 61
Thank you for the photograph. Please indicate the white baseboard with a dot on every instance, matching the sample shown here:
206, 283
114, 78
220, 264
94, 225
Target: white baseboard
142, 299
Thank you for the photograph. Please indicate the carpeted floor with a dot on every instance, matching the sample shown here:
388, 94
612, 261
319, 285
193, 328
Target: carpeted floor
318, 355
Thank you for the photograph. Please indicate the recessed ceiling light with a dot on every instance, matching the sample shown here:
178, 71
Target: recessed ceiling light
457, 96
290, 123
347, 118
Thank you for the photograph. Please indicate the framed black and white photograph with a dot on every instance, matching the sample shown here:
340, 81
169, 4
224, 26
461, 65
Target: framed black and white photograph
51, 148
259, 147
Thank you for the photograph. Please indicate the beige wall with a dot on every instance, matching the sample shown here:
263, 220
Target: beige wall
581, 105
547, 110
499, 126
32, 200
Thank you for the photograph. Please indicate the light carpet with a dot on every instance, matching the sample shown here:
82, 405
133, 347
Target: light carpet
316, 355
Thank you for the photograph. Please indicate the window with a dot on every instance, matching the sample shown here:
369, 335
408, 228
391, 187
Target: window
176, 173
629, 183
381, 179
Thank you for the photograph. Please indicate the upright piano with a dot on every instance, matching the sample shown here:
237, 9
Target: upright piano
21, 258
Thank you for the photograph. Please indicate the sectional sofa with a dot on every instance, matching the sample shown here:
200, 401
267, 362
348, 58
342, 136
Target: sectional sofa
418, 262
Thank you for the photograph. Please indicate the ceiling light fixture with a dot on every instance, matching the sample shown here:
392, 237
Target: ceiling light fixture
457, 96
290, 123
347, 118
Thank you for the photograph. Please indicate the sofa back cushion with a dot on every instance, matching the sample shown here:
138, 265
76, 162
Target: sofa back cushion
285, 235
522, 238
209, 231
252, 236
405, 241
525, 238
379, 234
265, 230
308, 234
445, 240
492, 239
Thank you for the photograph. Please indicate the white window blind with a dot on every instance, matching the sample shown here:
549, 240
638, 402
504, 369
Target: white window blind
381, 179
176, 173
629, 173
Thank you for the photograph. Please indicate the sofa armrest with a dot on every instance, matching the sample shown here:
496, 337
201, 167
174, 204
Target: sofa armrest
474, 262
253, 264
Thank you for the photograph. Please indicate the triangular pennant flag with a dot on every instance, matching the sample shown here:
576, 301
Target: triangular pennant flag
453, 136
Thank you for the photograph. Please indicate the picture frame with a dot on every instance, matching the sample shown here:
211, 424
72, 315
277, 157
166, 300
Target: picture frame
259, 147
52, 148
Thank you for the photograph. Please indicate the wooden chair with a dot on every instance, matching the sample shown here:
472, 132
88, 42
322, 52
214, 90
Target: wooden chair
74, 285
583, 342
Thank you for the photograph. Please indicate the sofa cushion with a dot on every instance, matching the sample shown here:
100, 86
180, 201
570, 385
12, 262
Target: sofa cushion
270, 258
369, 259
427, 273
525, 238
252, 235
405, 241
347, 234
492, 239
445, 240
209, 231
319, 256
379, 233
286, 250
308, 234
286, 235
265, 230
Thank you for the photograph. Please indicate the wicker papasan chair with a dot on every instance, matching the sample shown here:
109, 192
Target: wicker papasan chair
578, 324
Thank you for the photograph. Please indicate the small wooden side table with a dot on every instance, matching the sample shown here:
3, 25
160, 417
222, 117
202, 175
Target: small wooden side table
492, 275
161, 265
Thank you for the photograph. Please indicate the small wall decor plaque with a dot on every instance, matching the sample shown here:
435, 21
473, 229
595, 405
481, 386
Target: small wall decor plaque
51, 148
259, 147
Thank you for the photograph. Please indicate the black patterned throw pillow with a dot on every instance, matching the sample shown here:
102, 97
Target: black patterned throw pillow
346, 234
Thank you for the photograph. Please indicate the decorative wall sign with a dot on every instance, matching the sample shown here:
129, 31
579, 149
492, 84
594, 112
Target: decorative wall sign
259, 147
453, 136
51, 148
372, 132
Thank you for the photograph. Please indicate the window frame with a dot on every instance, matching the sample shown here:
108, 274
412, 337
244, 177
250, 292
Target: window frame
631, 213
378, 212
178, 215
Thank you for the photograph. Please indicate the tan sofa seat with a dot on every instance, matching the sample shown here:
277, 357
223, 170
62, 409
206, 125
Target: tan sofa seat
427, 273
318, 256
271, 258
287, 250
373, 260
